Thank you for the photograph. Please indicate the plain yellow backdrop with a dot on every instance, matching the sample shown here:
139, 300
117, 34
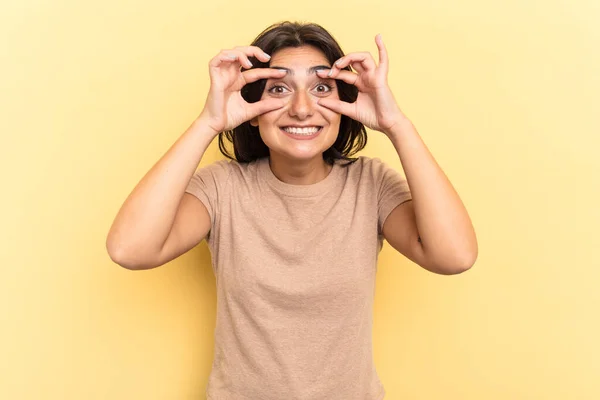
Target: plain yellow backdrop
504, 93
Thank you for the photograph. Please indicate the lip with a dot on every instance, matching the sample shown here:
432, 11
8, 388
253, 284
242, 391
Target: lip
301, 137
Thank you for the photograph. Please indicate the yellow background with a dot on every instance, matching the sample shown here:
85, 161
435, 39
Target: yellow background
504, 93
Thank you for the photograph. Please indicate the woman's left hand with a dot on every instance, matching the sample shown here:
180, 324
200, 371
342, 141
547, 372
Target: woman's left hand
375, 106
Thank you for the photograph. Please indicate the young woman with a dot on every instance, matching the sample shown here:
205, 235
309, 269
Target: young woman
293, 222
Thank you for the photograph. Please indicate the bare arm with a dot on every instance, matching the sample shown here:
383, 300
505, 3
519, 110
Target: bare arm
435, 227
159, 221
142, 225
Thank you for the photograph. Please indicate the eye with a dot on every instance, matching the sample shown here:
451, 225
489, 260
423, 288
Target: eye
323, 88
277, 89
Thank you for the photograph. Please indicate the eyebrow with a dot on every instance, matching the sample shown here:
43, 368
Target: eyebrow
311, 70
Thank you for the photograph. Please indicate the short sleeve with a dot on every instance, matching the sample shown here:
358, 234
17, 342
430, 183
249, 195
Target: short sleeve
393, 190
208, 185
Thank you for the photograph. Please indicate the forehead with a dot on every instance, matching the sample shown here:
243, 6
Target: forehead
299, 57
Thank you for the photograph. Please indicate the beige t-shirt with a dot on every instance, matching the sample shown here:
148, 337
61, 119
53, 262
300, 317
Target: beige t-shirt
295, 271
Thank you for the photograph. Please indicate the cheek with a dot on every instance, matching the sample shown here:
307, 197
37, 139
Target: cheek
267, 119
267, 127
331, 117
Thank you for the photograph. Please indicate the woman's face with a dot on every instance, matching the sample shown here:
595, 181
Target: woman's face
301, 130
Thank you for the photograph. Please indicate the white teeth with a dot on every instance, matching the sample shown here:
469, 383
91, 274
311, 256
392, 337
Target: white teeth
302, 131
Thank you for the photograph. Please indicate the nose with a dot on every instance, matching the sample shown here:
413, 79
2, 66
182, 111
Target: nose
302, 105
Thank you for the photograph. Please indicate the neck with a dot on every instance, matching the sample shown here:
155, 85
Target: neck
299, 172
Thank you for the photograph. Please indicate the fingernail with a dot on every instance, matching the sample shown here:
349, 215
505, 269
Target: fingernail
338, 62
232, 56
249, 64
330, 72
266, 55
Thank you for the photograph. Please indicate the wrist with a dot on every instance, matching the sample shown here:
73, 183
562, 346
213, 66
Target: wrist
203, 123
401, 124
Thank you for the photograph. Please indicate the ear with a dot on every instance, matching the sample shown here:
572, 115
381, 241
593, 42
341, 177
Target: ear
254, 121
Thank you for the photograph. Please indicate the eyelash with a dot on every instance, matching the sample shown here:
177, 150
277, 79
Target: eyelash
327, 85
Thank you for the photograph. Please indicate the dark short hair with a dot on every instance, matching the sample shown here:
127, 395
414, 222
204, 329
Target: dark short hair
245, 138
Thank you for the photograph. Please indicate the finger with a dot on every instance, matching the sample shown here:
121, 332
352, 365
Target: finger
239, 56
253, 75
335, 69
338, 106
383, 56
264, 106
358, 67
254, 51
364, 59
231, 56
346, 76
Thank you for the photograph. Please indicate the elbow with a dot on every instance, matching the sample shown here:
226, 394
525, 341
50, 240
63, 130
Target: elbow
463, 261
456, 266
459, 268
123, 258
116, 255
469, 258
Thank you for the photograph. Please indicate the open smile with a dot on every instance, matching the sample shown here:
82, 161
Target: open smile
302, 132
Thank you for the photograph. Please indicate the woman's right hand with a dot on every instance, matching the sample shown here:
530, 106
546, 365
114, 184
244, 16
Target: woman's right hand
225, 107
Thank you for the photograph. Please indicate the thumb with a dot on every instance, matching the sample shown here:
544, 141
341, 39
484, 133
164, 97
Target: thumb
264, 106
338, 106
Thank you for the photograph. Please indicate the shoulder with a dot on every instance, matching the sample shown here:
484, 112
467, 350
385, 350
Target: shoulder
226, 171
216, 174
216, 166
371, 167
247, 171
227, 167
364, 162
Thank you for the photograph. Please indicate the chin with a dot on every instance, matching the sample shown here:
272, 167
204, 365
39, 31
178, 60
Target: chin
298, 154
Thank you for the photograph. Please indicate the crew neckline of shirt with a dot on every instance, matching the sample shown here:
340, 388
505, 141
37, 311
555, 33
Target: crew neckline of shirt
291, 190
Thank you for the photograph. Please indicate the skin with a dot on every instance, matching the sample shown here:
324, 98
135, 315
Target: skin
159, 221
433, 229
293, 160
